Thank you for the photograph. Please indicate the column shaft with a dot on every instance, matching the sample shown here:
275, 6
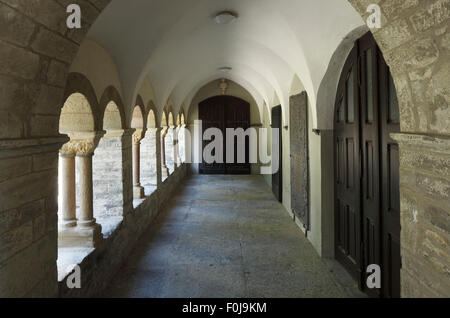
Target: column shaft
67, 191
86, 217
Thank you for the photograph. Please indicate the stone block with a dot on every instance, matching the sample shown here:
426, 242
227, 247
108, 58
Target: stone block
45, 161
15, 240
57, 73
14, 27
20, 273
54, 45
18, 61
14, 167
435, 13
48, 13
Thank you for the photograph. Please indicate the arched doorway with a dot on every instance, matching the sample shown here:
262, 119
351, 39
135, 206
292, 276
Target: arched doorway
367, 205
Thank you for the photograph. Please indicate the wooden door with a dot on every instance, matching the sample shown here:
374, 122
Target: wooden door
368, 229
277, 177
225, 112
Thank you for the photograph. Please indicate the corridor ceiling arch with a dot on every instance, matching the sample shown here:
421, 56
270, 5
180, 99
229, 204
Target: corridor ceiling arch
166, 41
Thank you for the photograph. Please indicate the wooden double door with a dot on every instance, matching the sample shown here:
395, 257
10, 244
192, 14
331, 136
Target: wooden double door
367, 205
224, 112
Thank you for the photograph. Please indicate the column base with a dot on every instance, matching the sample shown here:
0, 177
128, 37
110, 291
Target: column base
138, 192
165, 172
80, 236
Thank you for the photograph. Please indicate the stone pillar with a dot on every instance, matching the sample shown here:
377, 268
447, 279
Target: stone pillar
424, 201
164, 169
138, 189
158, 140
87, 233
67, 190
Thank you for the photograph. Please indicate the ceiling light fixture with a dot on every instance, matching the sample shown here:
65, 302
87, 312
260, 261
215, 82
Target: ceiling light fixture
225, 69
225, 17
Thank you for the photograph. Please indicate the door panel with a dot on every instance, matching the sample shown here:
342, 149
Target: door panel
390, 196
212, 114
238, 116
277, 178
225, 112
368, 53
347, 188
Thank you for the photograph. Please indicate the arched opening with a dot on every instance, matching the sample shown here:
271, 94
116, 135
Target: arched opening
148, 155
367, 204
108, 168
76, 227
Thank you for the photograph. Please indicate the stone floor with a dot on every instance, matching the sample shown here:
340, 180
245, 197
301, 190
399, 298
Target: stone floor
226, 236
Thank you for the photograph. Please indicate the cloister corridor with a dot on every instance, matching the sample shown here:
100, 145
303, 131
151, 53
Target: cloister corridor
227, 236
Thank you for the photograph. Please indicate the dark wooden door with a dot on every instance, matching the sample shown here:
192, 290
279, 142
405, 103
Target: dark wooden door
277, 177
224, 112
367, 228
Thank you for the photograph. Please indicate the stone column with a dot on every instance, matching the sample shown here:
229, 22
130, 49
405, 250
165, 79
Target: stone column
158, 149
67, 190
164, 169
138, 189
87, 233
175, 130
86, 217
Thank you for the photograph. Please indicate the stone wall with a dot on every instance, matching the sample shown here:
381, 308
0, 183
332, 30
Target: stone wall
102, 264
36, 50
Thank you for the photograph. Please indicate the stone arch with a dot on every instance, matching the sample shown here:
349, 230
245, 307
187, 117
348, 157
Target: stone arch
164, 121
139, 120
113, 111
79, 90
152, 116
76, 115
326, 95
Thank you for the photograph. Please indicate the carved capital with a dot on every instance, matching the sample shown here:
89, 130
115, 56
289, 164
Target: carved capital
82, 144
79, 147
138, 135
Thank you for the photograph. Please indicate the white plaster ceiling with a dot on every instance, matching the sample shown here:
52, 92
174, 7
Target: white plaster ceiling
177, 45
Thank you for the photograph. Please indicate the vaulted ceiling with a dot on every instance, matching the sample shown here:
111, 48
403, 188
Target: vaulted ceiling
179, 47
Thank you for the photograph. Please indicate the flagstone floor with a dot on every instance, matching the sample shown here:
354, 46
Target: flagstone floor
227, 236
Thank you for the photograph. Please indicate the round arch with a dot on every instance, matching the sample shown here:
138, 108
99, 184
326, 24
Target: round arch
113, 111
